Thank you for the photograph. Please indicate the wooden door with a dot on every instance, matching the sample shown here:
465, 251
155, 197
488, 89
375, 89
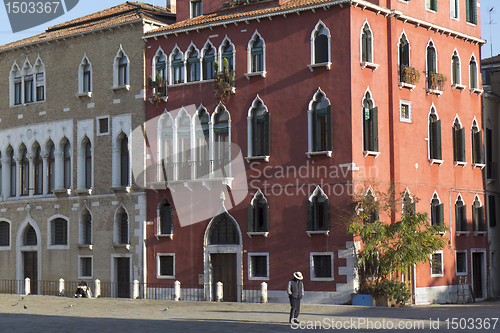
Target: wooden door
123, 278
30, 270
409, 280
224, 270
477, 274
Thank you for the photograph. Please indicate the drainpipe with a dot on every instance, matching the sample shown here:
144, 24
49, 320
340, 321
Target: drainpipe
144, 256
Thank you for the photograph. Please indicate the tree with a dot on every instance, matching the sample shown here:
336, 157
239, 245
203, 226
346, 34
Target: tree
388, 249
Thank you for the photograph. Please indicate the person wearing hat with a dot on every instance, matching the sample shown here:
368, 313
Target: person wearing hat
295, 292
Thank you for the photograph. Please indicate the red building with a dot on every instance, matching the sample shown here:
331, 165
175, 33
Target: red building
362, 94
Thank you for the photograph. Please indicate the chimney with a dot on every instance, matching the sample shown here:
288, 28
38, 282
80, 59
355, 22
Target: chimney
171, 4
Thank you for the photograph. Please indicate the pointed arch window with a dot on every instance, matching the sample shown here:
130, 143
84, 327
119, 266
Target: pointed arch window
124, 162
15, 85
227, 53
87, 76
258, 215
123, 227
177, 64
160, 71
208, 62
24, 172
38, 171
165, 218
88, 164
370, 125
370, 207
473, 73
408, 203
318, 212
458, 142
320, 46
366, 44
221, 149
435, 153
193, 64
86, 235
39, 73
320, 118
166, 147
59, 232
460, 215
477, 145
67, 164
223, 231
455, 69
407, 74
122, 70
202, 132
437, 211
29, 237
478, 216
256, 55
184, 162
259, 121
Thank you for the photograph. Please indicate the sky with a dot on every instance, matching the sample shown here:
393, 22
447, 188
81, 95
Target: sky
85, 7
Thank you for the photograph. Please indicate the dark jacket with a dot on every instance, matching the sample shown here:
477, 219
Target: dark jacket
295, 288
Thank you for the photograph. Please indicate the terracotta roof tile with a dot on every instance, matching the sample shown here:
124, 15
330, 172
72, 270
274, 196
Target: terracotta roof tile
125, 13
219, 17
491, 60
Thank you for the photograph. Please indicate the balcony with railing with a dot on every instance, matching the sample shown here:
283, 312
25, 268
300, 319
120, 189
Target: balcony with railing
408, 77
435, 83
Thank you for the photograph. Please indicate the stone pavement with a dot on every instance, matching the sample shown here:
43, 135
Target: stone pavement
64, 314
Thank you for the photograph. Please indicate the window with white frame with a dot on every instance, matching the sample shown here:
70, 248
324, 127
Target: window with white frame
66, 163
455, 68
208, 61
24, 164
166, 144
85, 267
51, 162
86, 228
258, 266
166, 265
222, 140
184, 154
408, 204
458, 141
454, 9
370, 124
85, 77
259, 127
435, 152
321, 264
478, 215
4, 234
366, 44
160, 71
202, 142
27, 85
165, 217
102, 125
473, 73
431, 5
320, 45
437, 264
437, 211
122, 227
460, 215
471, 11
407, 74
39, 76
121, 69
256, 54
370, 207
461, 262
196, 8
477, 144
177, 66
124, 161
193, 64
405, 111
318, 211
258, 214
58, 232
227, 54
320, 124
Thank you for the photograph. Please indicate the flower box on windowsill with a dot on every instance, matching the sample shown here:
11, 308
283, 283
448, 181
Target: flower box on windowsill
480, 233
476, 91
323, 152
371, 153
460, 87
406, 85
435, 161
265, 158
464, 233
257, 233
462, 163
371, 65
85, 246
84, 94
328, 65
318, 232
126, 87
478, 165
84, 191
262, 74
171, 236
122, 246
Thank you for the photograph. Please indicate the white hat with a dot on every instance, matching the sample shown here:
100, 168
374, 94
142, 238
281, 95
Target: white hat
298, 275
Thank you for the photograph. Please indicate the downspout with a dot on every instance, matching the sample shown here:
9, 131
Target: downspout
144, 256
391, 103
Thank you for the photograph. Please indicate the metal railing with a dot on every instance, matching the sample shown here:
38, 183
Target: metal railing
11, 286
408, 75
435, 81
251, 294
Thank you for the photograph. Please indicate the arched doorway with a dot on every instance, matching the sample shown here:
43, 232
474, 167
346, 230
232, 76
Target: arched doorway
28, 250
223, 258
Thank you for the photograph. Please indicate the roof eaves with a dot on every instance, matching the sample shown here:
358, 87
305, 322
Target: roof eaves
284, 11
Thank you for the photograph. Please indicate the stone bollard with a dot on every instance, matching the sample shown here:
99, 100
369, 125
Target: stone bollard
135, 293
27, 286
263, 292
97, 291
218, 292
177, 290
61, 287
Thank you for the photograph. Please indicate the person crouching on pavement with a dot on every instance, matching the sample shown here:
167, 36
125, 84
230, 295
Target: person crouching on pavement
81, 290
295, 292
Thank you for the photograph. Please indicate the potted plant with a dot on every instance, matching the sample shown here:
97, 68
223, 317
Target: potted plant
223, 82
158, 88
410, 75
436, 81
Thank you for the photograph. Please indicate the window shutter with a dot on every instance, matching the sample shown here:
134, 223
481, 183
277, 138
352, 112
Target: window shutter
474, 218
492, 211
458, 217
440, 214
461, 144
467, 11
464, 217
455, 143
413, 211
251, 220
474, 15
310, 222
480, 215
369, 46
374, 129
366, 129
478, 147
266, 216
326, 223
315, 130
436, 140
255, 139
434, 5
364, 45
329, 129
267, 134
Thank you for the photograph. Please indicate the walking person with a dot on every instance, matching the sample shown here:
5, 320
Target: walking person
295, 292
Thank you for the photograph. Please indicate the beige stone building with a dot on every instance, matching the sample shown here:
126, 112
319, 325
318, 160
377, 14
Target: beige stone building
70, 99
